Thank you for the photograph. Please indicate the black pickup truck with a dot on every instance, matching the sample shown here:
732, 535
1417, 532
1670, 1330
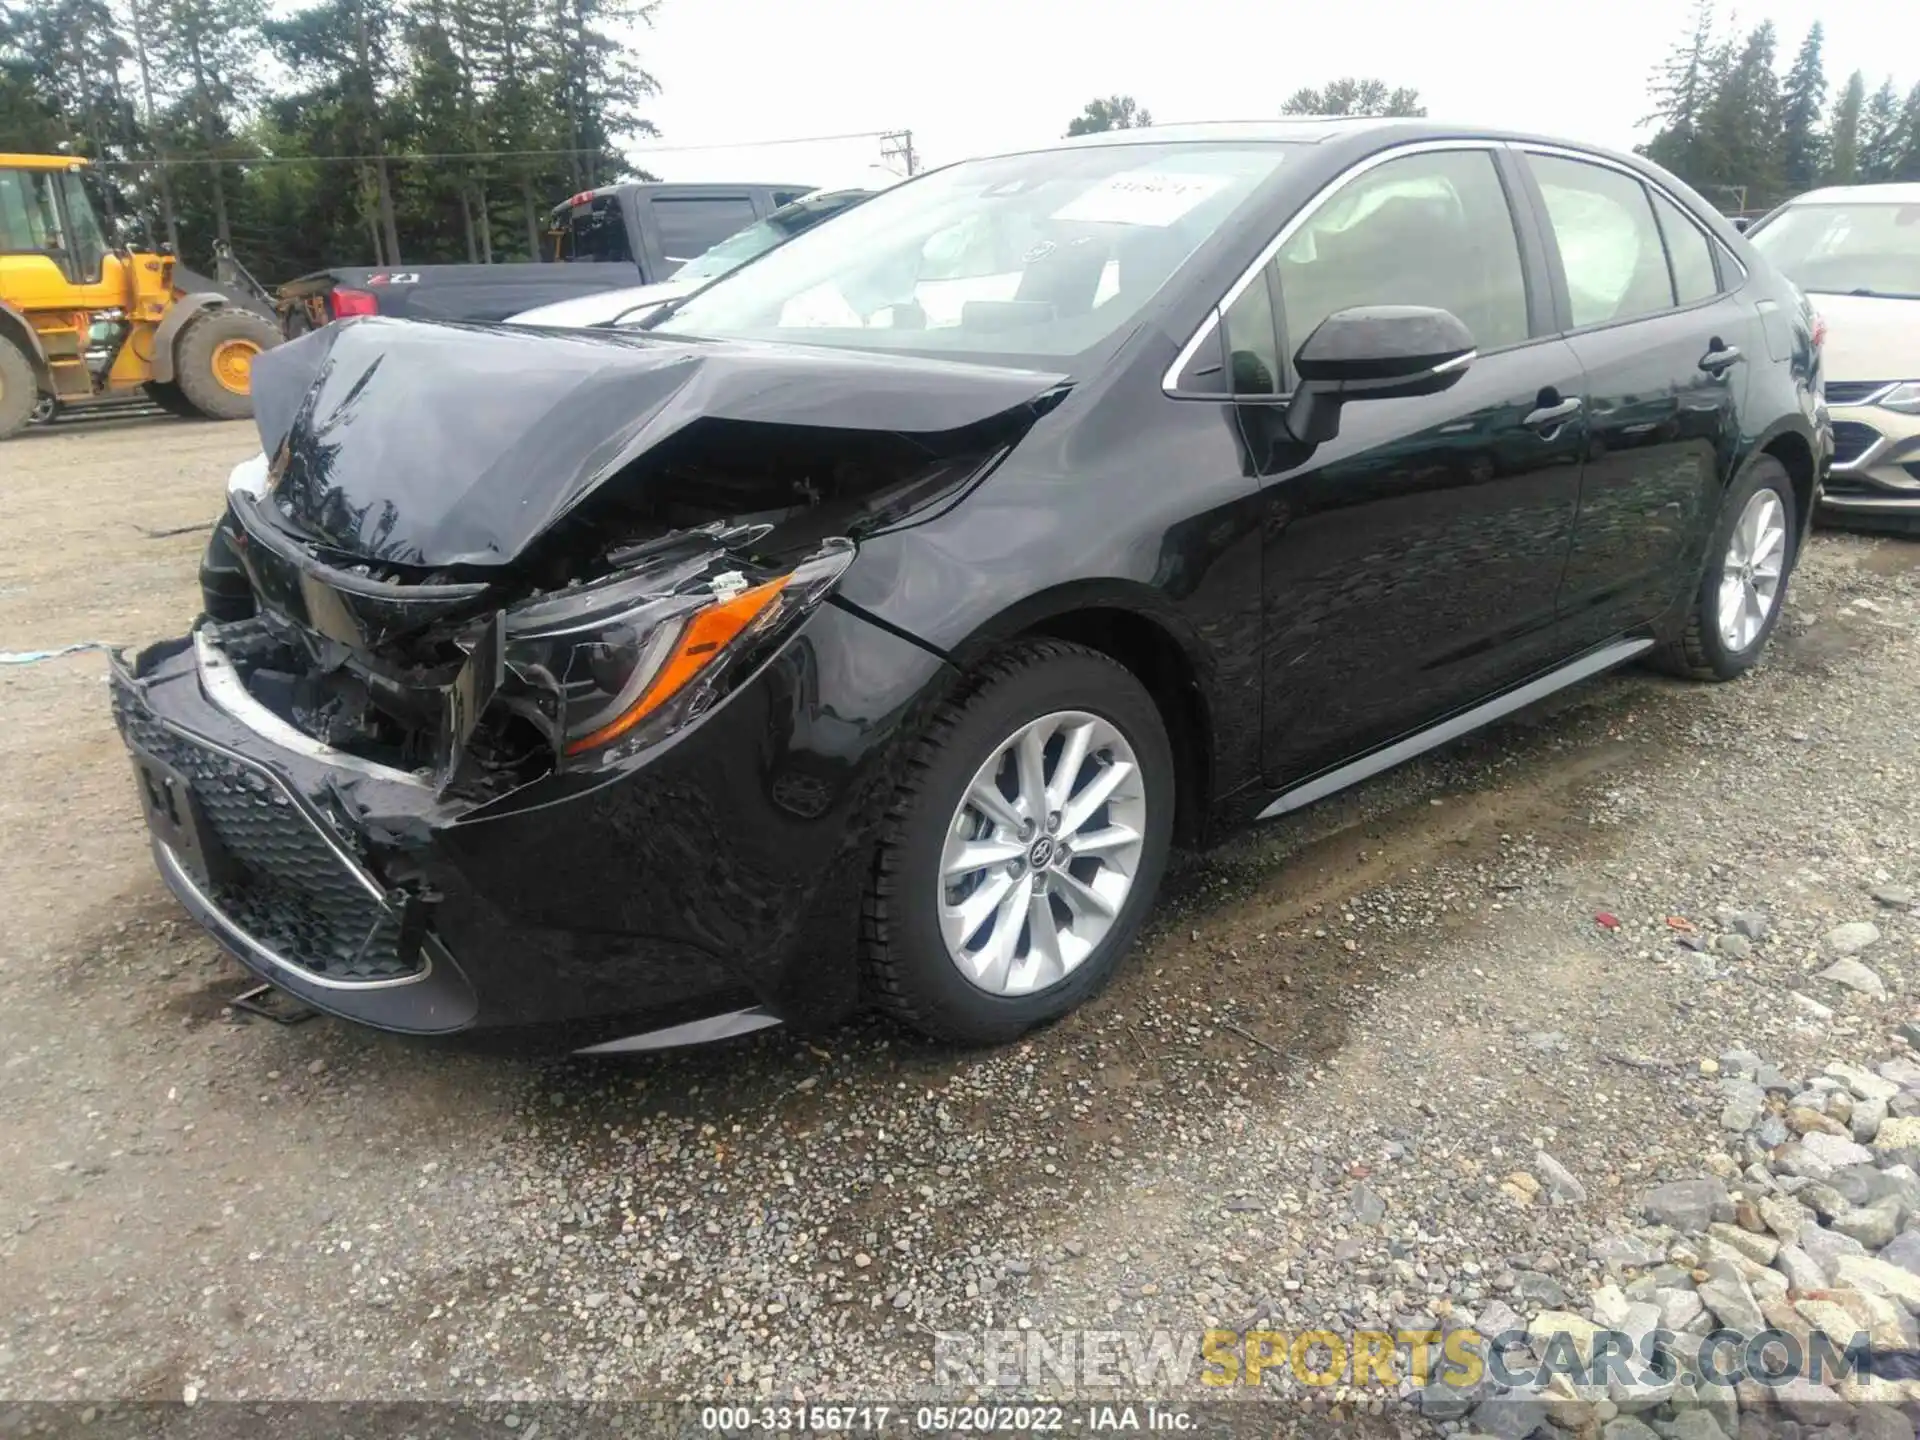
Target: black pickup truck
605, 239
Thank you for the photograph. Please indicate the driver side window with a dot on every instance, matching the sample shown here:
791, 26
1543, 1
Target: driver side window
1427, 229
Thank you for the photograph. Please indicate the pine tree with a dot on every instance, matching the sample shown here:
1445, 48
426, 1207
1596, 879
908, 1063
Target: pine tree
27, 119
1111, 112
71, 59
209, 52
597, 81
1351, 96
347, 52
1803, 98
1683, 89
1881, 142
1741, 137
1909, 166
1843, 138
439, 99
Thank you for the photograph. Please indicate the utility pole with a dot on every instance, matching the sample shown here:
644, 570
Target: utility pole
898, 145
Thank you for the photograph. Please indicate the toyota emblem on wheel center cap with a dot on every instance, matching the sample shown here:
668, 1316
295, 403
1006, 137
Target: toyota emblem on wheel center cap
1041, 855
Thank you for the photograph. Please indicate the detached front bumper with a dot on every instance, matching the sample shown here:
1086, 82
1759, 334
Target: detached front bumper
1875, 477
709, 880
287, 890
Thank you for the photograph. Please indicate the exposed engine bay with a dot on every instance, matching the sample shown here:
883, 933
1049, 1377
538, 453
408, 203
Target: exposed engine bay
481, 602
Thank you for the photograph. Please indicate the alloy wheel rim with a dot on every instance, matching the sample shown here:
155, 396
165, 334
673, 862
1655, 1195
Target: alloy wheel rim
1041, 853
1751, 571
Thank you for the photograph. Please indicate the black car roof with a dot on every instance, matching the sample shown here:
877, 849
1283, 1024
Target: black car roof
1315, 130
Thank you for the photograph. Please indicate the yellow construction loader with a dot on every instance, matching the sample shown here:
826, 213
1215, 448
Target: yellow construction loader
83, 321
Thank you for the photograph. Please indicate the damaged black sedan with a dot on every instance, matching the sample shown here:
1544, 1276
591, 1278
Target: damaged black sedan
864, 628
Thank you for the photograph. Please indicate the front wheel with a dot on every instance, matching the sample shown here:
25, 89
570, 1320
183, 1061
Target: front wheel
1024, 846
1744, 588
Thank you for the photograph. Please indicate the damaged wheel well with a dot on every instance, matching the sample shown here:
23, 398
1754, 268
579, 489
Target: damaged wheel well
1158, 662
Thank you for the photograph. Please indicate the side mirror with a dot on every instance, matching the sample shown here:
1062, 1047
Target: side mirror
1373, 352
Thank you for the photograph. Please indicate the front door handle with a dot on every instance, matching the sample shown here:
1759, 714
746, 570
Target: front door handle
1720, 358
1552, 417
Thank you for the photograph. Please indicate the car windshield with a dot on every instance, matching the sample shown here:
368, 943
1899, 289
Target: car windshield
760, 237
1864, 248
1043, 255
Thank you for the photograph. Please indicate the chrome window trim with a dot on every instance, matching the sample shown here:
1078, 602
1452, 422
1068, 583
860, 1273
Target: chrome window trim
1607, 162
1169, 382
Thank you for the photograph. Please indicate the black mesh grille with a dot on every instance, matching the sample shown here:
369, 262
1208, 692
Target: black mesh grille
290, 891
1852, 392
1851, 440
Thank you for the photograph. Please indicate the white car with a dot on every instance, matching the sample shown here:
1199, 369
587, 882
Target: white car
636, 302
1856, 250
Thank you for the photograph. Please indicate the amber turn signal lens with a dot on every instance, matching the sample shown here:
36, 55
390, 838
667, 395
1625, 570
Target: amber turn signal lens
708, 633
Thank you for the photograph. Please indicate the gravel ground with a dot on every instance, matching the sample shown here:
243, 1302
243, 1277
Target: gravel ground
1316, 1096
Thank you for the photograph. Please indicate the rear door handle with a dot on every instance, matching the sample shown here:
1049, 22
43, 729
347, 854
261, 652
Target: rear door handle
1720, 358
1552, 417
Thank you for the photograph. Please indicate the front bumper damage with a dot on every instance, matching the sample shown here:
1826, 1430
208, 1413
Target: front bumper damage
545, 715
251, 832
353, 887
711, 887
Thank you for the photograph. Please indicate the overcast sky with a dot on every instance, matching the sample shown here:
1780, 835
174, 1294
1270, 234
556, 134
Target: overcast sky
971, 76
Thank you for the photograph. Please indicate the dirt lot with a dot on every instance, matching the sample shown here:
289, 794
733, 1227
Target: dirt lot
1396, 998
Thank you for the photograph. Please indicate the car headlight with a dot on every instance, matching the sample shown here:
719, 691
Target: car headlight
630, 659
1904, 398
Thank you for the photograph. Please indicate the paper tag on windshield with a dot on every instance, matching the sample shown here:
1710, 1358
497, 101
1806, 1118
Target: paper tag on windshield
1141, 197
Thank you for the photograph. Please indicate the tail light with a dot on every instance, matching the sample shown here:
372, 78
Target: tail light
345, 302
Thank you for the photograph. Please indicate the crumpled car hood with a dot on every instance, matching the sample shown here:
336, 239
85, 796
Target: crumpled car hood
438, 444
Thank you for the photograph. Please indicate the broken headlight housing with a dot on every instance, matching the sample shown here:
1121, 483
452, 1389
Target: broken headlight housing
626, 661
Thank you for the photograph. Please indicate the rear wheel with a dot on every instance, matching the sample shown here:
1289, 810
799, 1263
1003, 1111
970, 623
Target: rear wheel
213, 360
1744, 588
1024, 846
19, 390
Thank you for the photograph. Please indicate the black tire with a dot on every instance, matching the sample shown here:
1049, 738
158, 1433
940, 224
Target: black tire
1699, 652
909, 970
19, 389
194, 359
226, 594
167, 396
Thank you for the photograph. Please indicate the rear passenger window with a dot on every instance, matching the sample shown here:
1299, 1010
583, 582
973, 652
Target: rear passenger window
1689, 250
690, 227
1610, 248
1430, 229
594, 232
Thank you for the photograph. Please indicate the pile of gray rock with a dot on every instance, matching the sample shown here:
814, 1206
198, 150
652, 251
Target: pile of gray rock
1807, 1225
